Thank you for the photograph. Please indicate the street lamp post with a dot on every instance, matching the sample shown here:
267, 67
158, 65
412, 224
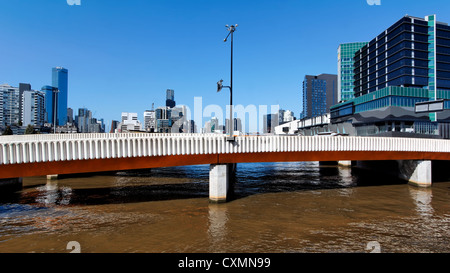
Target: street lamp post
231, 30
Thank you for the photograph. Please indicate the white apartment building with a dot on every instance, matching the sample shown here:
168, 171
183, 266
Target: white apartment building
33, 110
129, 123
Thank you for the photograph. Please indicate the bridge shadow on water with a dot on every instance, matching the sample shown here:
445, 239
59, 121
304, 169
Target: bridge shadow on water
192, 182
304, 176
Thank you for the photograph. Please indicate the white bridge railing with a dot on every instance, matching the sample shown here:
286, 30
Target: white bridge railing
62, 147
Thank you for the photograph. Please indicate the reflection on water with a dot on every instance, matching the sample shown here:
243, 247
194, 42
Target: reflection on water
52, 194
422, 199
217, 230
277, 207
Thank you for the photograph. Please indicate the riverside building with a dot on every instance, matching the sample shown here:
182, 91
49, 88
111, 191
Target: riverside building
407, 64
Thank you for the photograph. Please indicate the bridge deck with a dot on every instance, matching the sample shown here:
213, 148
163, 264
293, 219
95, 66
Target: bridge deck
22, 156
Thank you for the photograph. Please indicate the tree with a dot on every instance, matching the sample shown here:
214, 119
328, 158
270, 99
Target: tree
29, 130
8, 131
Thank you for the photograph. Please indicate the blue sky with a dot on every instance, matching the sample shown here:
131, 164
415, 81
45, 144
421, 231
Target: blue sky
123, 55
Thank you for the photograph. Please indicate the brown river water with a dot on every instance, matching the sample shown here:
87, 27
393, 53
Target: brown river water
277, 207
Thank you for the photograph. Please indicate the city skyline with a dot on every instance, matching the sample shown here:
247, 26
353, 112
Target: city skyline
126, 65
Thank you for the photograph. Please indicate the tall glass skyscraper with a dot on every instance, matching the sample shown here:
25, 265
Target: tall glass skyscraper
346, 52
60, 81
49, 103
319, 94
170, 98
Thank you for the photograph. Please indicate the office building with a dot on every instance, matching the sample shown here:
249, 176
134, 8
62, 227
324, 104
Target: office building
164, 125
406, 64
86, 123
237, 126
212, 126
150, 121
33, 111
192, 127
170, 98
285, 116
114, 126
413, 52
22, 88
60, 81
319, 94
129, 123
83, 119
49, 103
9, 105
163, 113
163, 119
69, 115
96, 126
346, 53
270, 121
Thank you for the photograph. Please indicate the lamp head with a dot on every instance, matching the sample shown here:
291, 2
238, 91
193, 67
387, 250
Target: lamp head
219, 85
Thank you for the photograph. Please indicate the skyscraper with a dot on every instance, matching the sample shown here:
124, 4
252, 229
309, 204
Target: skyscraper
49, 103
60, 81
83, 119
170, 98
319, 94
237, 128
70, 115
9, 105
22, 87
270, 121
346, 53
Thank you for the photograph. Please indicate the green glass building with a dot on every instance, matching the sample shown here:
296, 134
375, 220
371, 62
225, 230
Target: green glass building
407, 64
346, 53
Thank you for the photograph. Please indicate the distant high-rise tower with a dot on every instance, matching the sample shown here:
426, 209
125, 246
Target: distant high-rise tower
60, 81
170, 98
319, 94
22, 87
49, 103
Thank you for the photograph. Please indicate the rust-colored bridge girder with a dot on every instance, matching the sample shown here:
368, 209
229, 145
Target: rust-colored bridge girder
130, 163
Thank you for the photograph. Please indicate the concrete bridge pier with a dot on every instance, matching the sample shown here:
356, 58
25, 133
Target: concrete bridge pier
52, 177
221, 180
345, 163
416, 172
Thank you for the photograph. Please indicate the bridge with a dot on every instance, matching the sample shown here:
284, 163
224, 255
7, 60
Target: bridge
36, 155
